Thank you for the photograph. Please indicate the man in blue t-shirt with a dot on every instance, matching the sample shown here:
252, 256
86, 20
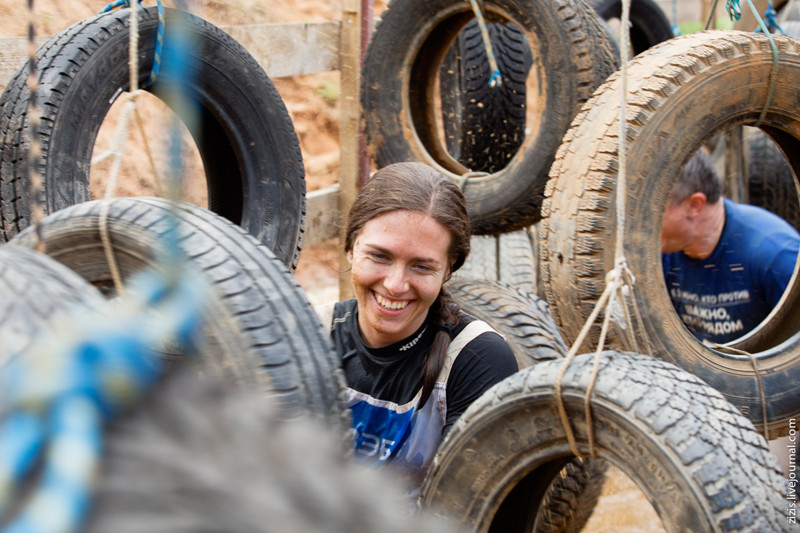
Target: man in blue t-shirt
726, 264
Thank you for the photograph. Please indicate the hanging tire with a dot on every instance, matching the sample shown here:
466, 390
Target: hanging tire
508, 257
523, 319
254, 170
648, 23
770, 181
679, 94
484, 126
571, 56
37, 292
526, 324
287, 352
698, 461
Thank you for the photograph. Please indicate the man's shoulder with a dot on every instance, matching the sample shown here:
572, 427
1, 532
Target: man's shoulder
763, 233
758, 218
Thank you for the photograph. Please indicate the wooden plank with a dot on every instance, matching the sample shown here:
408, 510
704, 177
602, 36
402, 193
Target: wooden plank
281, 49
349, 128
322, 215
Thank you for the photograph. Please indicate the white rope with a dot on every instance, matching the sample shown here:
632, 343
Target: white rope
619, 252
117, 149
620, 280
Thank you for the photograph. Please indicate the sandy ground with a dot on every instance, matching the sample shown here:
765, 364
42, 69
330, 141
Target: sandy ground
312, 102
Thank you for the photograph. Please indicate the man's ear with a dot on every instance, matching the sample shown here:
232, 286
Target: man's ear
695, 203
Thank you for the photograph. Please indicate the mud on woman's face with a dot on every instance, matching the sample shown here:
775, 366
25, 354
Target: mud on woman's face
399, 263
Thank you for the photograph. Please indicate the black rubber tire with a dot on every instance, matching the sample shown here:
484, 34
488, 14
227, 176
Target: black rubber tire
37, 292
516, 259
508, 257
523, 319
572, 496
199, 457
770, 181
484, 126
698, 461
680, 93
571, 56
254, 169
288, 352
649, 23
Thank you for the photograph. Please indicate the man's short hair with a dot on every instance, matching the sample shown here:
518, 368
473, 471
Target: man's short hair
697, 175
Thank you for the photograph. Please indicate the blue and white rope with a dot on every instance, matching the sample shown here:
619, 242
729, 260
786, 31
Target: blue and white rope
58, 394
496, 78
157, 52
771, 19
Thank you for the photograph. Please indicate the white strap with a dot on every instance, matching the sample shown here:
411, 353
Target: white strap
469, 333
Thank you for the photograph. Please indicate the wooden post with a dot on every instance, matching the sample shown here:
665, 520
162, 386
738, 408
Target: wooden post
349, 131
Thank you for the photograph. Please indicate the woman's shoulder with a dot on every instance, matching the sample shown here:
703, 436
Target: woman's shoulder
344, 308
482, 361
484, 341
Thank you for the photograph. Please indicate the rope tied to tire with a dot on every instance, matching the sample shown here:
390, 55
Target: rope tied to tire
117, 149
496, 79
56, 395
735, 12
59, 393
732, 6
771, 17
462, 180
619, 281
159, 34
761, 392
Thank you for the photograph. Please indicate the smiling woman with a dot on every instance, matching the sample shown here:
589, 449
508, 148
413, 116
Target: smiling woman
412, 360
398, 275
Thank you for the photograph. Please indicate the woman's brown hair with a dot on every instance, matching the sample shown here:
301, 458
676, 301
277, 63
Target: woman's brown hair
419, 188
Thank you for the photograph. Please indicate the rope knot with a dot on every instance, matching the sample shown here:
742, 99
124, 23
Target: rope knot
734, 9
462, 180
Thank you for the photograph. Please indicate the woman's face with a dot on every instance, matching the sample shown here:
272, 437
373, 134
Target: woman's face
399, 262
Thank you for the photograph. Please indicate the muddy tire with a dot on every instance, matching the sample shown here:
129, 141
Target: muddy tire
572, 496
698, 461
484, 126
572, 56
254, 170
508, 257
288, 354
668, 86
770, 181
523, 319
649, 24
37, 292
240, 467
